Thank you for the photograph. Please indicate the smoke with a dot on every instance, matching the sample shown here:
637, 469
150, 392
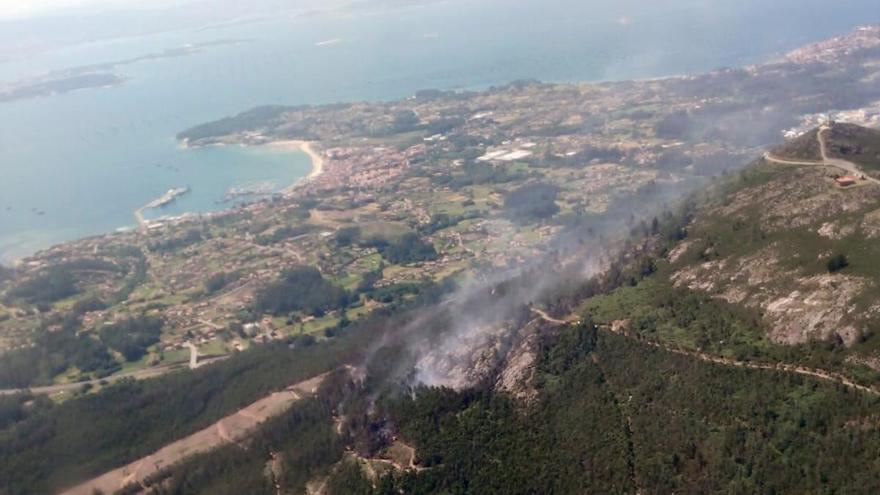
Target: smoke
465, 339
461, 341
484, 325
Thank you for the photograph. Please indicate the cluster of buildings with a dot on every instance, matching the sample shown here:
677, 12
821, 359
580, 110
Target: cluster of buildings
829, 51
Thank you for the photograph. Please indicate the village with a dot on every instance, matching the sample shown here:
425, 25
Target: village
444, 168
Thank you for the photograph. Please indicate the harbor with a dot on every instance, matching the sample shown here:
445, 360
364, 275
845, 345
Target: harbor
169, 197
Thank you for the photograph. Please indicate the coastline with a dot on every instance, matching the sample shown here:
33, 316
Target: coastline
317, 168
142, 226
307, 148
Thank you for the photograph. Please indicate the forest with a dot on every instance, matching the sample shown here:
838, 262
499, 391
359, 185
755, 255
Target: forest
45, 449
409, 248
303, 289
613, 415
132, 336
52, 285
62, 445
56, 351
616, 415
532, 202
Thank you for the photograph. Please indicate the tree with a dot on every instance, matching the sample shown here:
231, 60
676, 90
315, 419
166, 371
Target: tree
132, 337
216, 282
346, 236
301, 289
409, 248
837, 262
532, 202
52, 285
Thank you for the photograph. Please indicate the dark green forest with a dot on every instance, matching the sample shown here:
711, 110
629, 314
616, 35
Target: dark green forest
409, 248
613, 415
619, 416
52, 285
131, 337
84, 437
301, 289
43, 449
532, 202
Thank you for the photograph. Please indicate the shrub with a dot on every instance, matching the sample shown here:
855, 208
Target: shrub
837, 262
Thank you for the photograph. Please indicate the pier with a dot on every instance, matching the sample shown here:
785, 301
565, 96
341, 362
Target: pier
169, 196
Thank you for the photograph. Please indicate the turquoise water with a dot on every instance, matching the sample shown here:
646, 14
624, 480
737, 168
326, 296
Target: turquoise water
87, 159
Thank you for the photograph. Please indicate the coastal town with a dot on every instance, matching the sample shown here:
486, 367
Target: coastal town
444, 185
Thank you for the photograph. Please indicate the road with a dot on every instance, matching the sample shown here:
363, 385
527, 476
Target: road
847, 166
232, 429
141, 221
850, 167
824, 375
193, 355
546, 317
137, 375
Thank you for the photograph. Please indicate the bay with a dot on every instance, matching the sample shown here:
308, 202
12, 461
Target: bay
79, 163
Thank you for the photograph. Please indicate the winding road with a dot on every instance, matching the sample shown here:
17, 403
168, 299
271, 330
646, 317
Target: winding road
549, 319
827, 376
847, 166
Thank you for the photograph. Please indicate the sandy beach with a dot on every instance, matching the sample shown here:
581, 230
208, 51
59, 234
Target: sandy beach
290, 145
305, 147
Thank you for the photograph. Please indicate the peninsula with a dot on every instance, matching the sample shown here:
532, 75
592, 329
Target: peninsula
472, 276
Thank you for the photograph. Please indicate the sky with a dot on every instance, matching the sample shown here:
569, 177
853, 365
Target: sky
29, 27
28, 9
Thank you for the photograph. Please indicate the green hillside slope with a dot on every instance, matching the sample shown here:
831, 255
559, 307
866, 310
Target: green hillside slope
790, 254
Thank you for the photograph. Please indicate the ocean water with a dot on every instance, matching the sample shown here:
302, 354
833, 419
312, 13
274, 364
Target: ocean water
78, 164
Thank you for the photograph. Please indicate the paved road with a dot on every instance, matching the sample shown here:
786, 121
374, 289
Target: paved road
847, 166
193, 355
137, 375
850, 167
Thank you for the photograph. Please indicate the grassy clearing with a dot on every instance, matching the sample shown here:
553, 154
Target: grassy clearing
140, 364
215, 347
318, 325
349, 281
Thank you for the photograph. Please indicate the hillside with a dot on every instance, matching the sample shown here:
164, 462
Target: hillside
728, 349
789, 251
858, 144
855, 143
505, 292
445, 185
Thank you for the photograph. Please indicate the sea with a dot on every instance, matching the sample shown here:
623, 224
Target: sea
79, 163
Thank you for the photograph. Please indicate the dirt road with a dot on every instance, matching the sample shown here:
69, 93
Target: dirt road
546, 317
847, 166
788, 368
231, 429
824, 375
